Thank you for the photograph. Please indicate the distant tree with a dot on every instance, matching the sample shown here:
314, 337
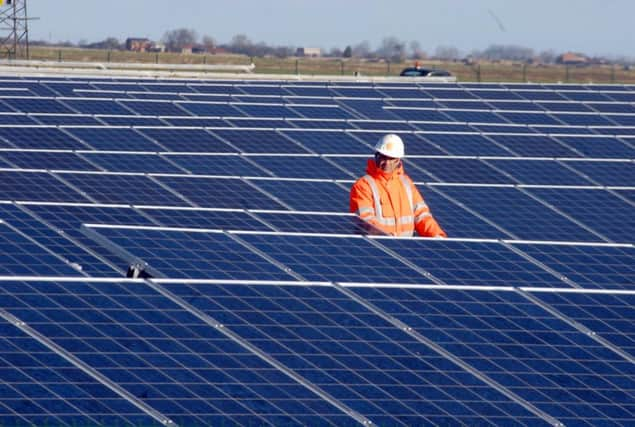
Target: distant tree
415, 50
447, 53
392, 49
178, 39
209, 43
547, 56
335, 52
348, 52
111, 43
509, 52
361, 50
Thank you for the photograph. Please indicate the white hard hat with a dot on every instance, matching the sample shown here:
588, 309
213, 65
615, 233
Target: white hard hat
390, 145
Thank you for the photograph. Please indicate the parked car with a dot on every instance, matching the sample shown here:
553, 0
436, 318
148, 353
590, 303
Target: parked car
424, 72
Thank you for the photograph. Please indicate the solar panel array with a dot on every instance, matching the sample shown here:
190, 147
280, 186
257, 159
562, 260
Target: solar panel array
256, 300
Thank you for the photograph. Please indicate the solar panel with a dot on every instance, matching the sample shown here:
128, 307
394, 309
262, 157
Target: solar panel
265, 302
522, 346
164, 356
590, 266
519, 214
604, 212
39, 137
21, 256
58, 392
354, 355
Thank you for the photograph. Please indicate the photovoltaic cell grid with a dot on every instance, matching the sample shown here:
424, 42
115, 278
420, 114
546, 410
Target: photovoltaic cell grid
475, 120
161, 354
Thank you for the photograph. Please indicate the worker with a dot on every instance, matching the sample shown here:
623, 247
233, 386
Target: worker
386, 200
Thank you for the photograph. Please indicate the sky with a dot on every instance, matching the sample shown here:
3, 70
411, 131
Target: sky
593, 27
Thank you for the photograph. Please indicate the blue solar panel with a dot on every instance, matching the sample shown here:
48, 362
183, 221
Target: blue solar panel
518, 213
541, 95
581, 119
265, 110
67, 120
369, 109
427, 115
148, 163
534, 145
120, 139
300, 167
205, 218
588, 266
20, 256
619, 173
471, 263
310, 222
166, 357
354, 355
460, 170
529, 118
538, 356
320, 112
122, 188
15, 119
327, 142
59, 242
598, 147
342, 258
474, 116
39, 137
155, 108
232, 193
186, 140
131, 121
606, 314
47, 160
97, 106
319, 196
546, 172
217, 164
40, 186
602, 211
40, 387
466, 144
457, 221
37, 105
564, 106
188, 254
261, 141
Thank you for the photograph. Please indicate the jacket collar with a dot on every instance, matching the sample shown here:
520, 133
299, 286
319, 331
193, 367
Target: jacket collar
375, 172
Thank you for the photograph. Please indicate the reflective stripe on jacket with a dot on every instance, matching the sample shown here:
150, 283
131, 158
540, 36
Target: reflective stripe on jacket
392, 204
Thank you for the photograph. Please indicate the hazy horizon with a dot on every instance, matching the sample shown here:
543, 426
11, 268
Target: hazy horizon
588, 26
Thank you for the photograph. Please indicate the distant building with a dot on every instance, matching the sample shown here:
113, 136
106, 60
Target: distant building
138, 44
309, 51
570, 58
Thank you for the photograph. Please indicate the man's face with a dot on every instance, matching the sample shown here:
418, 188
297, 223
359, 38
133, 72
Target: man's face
385, 163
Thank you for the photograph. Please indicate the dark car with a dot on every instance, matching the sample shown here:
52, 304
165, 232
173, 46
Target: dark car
424, 72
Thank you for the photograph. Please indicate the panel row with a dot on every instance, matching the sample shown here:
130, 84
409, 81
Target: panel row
303, 141
469, 356
475, 170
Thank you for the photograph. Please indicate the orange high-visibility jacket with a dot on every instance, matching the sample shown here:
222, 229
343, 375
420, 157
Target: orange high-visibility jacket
392, 204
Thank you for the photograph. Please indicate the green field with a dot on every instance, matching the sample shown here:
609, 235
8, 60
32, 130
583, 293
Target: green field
482, 72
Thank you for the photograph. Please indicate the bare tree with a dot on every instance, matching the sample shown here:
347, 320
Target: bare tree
447, 53
510, 52
177, 39
209, 43
392, 49
361, 50
548, 56
415, 50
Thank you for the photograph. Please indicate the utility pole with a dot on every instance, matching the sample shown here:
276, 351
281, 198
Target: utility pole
14, 33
